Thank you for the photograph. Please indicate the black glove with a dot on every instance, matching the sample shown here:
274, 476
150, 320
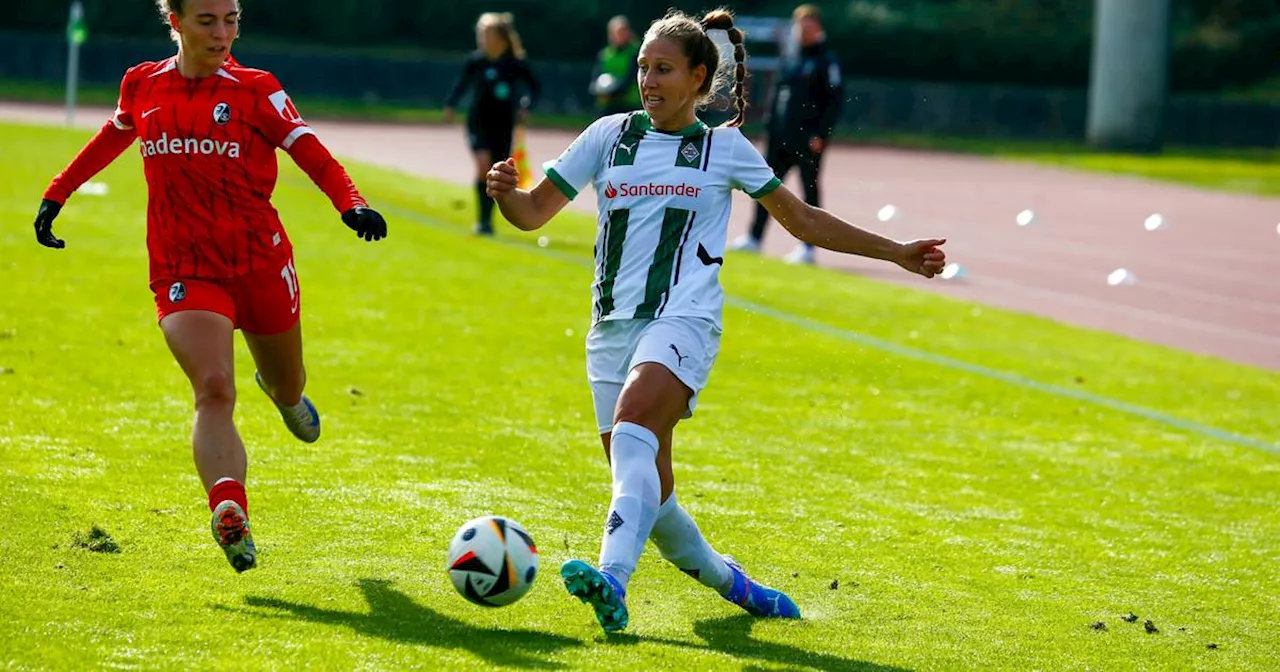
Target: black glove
366, 222
44, 224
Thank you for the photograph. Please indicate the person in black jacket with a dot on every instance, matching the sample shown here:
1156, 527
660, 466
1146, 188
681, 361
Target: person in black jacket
805, 104
503, 90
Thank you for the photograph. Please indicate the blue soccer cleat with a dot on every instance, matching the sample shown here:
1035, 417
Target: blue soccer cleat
302, 420
230, 528
758, 600
600, 590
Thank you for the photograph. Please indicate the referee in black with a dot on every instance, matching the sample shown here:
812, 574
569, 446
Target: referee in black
503, 89
805, 104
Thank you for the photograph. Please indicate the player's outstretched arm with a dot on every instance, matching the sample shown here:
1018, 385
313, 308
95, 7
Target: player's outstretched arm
816, 226
109, 142
315, 160
527, 210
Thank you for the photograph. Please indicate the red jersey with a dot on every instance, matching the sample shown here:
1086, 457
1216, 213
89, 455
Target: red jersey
209, 153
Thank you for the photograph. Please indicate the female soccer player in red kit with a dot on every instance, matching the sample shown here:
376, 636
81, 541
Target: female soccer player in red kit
220, 260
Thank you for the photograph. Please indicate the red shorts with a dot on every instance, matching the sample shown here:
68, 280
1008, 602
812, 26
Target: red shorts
265, 302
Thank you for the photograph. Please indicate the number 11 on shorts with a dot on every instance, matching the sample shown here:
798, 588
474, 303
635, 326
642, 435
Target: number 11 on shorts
290, 276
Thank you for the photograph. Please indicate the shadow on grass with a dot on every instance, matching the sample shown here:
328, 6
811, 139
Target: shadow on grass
394, 616
732, 636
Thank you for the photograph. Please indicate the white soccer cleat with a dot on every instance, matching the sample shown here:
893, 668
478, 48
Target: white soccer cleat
803, 254
745, 243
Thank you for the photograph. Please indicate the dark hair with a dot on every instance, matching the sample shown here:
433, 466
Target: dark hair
692, 36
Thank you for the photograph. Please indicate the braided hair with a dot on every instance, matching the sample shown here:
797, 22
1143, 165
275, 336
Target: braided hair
698, 46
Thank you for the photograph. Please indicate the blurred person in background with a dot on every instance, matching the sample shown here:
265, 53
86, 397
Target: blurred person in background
613, 80
802, 114
503, 90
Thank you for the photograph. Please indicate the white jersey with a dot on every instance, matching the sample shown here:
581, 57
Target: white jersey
663, 200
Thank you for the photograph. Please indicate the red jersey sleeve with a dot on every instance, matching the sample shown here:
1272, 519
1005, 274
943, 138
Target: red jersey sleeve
280, 122
314, 159
275, 115
112, 139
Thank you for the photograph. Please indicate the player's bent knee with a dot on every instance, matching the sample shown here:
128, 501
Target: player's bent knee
653, 398
215, 392
652, 416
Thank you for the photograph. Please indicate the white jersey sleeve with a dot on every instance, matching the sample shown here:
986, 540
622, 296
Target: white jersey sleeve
748, 170
580, 163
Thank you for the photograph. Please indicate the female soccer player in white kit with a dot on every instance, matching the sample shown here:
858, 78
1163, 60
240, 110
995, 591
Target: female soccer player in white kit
663, 183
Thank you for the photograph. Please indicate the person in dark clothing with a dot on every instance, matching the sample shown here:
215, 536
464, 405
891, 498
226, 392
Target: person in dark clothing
503, 90
805, 104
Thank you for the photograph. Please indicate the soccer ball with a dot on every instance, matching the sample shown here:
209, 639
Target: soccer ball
492, 561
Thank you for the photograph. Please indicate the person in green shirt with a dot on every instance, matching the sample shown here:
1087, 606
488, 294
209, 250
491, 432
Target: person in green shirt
613, 80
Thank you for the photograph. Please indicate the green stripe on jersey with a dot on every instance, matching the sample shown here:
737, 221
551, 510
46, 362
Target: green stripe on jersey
664, 257
696, 128
615, 234
624, 153
564, 186
767, 189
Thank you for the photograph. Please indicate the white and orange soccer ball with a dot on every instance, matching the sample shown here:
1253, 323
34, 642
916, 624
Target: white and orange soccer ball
492, 561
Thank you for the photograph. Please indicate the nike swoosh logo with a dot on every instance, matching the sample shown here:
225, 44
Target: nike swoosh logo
146, 114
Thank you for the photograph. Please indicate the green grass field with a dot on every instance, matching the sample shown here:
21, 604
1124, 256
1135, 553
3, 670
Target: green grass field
939, 485
1236, 170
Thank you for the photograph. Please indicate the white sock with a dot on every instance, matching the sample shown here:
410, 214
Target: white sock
681, 543
636, 492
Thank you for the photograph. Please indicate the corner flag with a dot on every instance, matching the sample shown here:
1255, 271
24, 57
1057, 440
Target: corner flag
77, 29
77, 33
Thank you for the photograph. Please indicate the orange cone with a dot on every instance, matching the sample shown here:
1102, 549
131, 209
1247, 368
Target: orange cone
521, 155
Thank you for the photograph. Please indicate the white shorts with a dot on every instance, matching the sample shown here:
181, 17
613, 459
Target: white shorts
687, 346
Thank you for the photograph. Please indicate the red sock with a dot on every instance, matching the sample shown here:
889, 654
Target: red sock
231, 489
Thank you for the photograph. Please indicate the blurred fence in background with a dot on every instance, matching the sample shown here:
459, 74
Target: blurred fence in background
873, 107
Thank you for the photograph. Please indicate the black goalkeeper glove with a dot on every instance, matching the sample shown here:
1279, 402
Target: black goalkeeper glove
366, 222
44, 224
